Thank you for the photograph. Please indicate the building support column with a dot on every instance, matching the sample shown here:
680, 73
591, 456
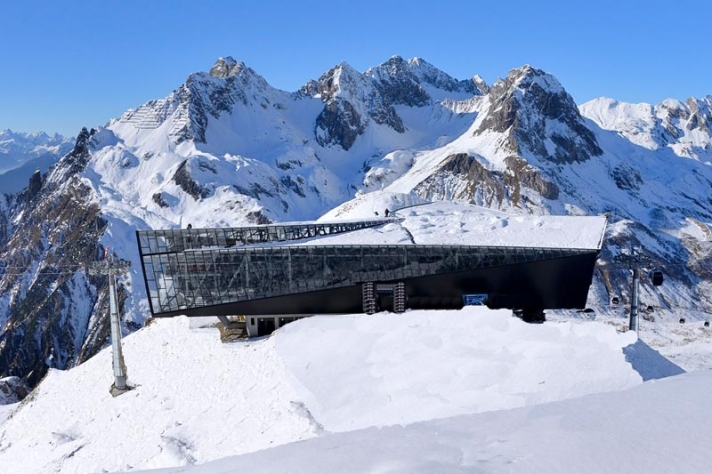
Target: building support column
368, 297
399, 297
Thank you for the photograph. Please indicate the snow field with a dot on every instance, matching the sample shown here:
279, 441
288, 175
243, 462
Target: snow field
657, 427
198, 400
354, 372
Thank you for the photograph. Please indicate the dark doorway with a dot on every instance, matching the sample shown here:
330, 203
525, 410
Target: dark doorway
265, 326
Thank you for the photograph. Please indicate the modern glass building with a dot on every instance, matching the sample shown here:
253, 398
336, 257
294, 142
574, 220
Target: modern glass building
273, 273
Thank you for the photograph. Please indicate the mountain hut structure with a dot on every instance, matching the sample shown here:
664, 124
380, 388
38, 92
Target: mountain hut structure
273, 274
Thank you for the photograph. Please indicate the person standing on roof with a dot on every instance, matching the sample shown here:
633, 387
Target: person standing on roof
387, 212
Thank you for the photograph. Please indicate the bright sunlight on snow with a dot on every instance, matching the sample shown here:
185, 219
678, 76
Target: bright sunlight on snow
197, 400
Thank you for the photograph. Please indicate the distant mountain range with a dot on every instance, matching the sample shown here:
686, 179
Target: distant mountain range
225, 148
22, 153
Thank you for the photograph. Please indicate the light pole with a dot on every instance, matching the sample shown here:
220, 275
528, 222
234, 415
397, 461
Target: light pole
110, 267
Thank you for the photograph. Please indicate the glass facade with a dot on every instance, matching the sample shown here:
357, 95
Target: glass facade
197, 268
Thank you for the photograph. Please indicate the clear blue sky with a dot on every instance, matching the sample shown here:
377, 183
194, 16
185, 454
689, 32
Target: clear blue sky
68, 64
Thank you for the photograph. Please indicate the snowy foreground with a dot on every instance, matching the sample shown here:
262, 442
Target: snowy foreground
658, 427
380, 393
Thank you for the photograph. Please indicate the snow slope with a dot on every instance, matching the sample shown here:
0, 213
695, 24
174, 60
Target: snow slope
197, 400
658, 427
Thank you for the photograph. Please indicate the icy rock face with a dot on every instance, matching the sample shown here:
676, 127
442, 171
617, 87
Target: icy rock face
461, 177
12, 390
540, 118
352, 99
700, 115
343, 91
183, 178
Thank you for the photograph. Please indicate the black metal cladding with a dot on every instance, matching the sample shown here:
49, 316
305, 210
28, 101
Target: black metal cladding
207, 275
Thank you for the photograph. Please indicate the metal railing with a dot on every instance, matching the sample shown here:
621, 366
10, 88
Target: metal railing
179, 240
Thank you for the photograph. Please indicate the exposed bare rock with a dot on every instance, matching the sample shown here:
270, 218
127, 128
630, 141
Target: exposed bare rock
12, 390
35, 184
78, 158
523, 173
225, 67
183, 178
626, 178
539, 118
257, 217
462, 177
700, 115
158, 199
55, 319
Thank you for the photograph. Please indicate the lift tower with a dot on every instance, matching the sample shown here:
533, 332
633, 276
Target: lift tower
111, 267
635, 260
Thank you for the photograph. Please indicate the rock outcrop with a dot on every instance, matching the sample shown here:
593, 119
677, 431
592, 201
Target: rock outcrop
539, 118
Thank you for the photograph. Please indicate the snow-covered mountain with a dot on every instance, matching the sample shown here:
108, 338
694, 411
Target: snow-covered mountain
225, 148
17, 148
22, 153
684, 127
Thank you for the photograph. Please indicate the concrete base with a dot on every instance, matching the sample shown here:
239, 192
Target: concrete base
115, 392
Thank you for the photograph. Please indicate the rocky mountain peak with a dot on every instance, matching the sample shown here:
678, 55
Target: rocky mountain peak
700, 114
225, 67
345, 93
540, 118
203, 95
341, 80
480, 84
405, 81
77, 159
353, 99
228, 68
672, 105
526, 76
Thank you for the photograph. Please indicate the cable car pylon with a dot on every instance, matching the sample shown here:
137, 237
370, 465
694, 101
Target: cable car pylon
111, 267
635, 260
